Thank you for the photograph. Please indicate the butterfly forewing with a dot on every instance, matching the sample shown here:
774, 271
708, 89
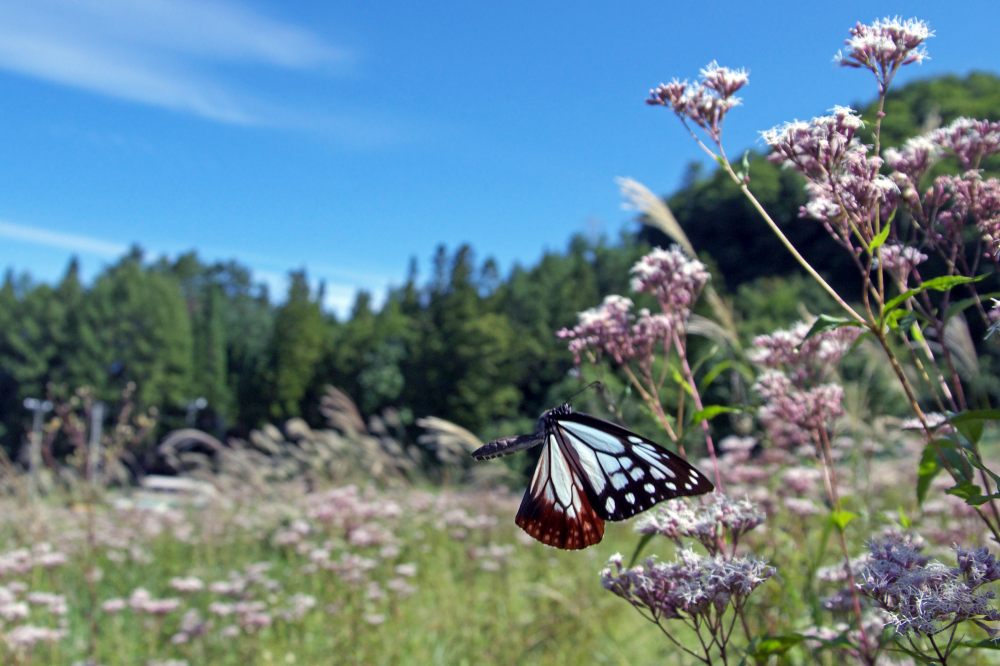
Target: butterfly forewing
623, 473
556, 507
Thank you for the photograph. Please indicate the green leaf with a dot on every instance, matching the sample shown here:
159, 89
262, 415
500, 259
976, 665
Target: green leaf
965, 303
976, 415
904, 520
970, 423
709, 412
842, 518
825, 323
639, 547
986, 643
927, 470
676, 375
879, 239
941, 283
971, 493
765, 646
726, 364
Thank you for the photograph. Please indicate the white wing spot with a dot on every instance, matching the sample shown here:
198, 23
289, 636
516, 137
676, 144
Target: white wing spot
637, 473
649, 455
630, 497
561, 476
626, 463
635, 439
619, 480
657, 474
670, 485
649, 488
598, 439
591, 467
610, 505
688, 486
609, 463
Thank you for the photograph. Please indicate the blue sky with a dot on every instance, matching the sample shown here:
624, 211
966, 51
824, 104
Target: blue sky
348, 137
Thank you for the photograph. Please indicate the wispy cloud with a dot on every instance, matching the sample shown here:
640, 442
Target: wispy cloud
61, 241
340, 285
165, 53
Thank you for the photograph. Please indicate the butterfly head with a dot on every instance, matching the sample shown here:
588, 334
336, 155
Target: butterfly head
561, 410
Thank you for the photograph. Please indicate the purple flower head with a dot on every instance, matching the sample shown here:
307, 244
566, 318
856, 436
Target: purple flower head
724, 81
924, 596
844, 182
814, 148
612, 330
672, 277
885, 45
689, 587
791, 416
704, 519
803, 359
705, 103
969, 140
900, 260
914, 158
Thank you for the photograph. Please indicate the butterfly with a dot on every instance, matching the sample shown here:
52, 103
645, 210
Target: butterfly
591, 470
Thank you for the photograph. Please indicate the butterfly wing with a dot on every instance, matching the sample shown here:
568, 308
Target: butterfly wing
624, 473
556, 507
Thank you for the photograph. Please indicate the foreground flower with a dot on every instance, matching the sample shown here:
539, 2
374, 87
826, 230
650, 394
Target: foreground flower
924, 597
688, 588
885, 45
708, 520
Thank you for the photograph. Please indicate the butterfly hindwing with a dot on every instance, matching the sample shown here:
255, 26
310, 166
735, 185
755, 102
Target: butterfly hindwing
556, 507
623, 473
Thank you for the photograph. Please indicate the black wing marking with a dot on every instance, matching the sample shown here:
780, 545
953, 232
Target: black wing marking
624, 473
556, 508
508, 445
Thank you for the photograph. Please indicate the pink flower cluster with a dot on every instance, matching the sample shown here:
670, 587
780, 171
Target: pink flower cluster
792, 415
708, 520
705, 103
613, 330
901, 260
693, 587
951, 202
672, 277
885, 45
924, 596
803, 359
845, 186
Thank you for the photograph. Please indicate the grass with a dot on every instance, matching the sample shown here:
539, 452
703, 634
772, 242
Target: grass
395, 576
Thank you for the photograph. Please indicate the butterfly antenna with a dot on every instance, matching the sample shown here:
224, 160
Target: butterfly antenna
600, 388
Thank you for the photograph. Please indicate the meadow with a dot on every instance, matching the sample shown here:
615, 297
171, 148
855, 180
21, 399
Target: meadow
281, 573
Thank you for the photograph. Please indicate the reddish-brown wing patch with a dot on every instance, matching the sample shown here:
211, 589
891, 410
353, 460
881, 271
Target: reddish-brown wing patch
555, 509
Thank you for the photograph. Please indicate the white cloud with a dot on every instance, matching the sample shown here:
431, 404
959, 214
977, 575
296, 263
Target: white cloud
340, 285
62, 241
156, 52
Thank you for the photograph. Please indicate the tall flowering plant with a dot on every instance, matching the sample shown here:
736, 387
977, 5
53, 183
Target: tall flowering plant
891, 214
894, 216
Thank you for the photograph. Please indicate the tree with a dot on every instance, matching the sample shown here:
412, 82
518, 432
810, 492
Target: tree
296, 347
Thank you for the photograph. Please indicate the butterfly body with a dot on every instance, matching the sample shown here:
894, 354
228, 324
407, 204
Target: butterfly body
591, 470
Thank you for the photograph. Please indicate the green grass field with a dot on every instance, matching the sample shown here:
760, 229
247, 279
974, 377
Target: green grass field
397, 576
